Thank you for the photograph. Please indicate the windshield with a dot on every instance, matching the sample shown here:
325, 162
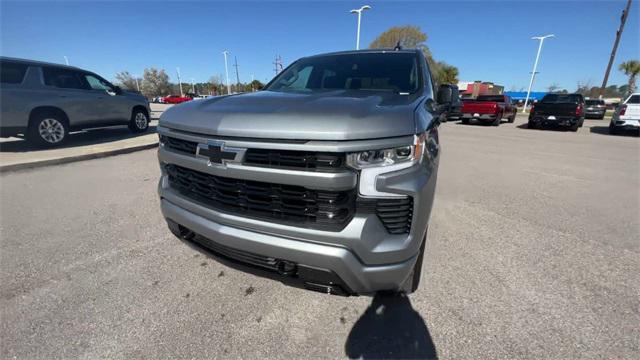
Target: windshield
497, 98
562, 98
398, 72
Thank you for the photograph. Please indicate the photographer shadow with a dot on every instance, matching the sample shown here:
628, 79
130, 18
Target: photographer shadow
390, 329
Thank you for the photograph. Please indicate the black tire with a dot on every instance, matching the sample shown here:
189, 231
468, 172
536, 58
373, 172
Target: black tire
580, 122
512, 119
48, 129
497, 121
465, 121
574, 127
613, 130
139, 121
531, 125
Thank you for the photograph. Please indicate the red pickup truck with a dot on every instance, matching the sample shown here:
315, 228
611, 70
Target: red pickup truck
175, 99
489, 109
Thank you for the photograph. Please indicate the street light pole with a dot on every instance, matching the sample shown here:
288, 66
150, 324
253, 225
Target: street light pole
226, 70
535, 66
137, 85
179, 81
193, 91
359, 12
66, 61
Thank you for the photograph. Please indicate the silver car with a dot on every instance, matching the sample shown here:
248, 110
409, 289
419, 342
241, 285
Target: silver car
326, 177
44, 102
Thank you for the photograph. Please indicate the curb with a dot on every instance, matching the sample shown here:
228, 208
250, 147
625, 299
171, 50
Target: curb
74, 158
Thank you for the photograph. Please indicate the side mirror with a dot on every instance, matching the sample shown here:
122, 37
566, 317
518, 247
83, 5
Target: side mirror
117, 90
445, 95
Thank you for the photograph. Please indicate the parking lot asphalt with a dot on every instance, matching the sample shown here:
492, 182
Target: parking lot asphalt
533, 252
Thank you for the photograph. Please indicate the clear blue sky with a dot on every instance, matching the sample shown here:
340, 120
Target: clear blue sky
487, 41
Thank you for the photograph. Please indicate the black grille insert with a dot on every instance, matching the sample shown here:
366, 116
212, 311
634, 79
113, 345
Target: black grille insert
295, 159
327, 210
395, 214
180, 145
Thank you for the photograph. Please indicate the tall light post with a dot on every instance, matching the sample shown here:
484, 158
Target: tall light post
535, 66
179, 81
193, 90
226, 70
137, 84
66, 60
359, 12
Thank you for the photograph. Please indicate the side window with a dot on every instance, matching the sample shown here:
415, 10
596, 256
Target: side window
63, 78
97, 83
634, 99
12, 73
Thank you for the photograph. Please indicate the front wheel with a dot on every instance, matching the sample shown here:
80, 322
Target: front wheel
139, 121
413, 282
512, 118
465, 121
613, 130
574, 127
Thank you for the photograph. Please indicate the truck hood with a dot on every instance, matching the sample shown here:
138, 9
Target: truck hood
327, 115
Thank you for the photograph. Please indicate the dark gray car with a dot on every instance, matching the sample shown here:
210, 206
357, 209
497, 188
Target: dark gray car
326, 177
46, 101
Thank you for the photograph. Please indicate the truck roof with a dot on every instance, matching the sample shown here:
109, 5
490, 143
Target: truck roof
367, 51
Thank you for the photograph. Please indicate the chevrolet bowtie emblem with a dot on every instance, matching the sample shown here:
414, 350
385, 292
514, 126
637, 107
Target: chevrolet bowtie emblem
216, 152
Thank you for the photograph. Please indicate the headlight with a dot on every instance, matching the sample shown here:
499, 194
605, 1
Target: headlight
375, 162
387, 157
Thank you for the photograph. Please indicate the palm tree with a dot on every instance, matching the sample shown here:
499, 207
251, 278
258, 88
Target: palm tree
631, 68
446, 74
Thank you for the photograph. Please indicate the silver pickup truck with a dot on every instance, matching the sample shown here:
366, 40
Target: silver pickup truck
325, 179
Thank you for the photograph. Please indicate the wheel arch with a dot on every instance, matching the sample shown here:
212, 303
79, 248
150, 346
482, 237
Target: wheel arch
143, 109
47, 110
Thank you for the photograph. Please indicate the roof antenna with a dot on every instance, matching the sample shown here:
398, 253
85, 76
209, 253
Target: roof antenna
398, 46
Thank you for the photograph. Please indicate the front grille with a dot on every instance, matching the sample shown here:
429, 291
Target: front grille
184, 146
296, 205
295, 159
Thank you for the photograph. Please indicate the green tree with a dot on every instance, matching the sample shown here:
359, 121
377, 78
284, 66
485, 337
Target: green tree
447, 74
411, 37
631, 68
126, 80
156, 83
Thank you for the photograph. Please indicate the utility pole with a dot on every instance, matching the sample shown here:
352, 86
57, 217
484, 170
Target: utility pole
252, 89
226, 70
278, 64
359, 12
179, 81
623, 20
535, 66
237, 74
193, 89
66, 61
137, 84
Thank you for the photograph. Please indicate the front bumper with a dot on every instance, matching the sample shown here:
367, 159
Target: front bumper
364, 257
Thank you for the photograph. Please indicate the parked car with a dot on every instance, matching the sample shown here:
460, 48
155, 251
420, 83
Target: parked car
626, 116
489, 109
594, 108
45, 101
175, 99
325, 178
566, 110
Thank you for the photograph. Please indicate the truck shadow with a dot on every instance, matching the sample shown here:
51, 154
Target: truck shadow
75, 139
604, 130
390, 329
